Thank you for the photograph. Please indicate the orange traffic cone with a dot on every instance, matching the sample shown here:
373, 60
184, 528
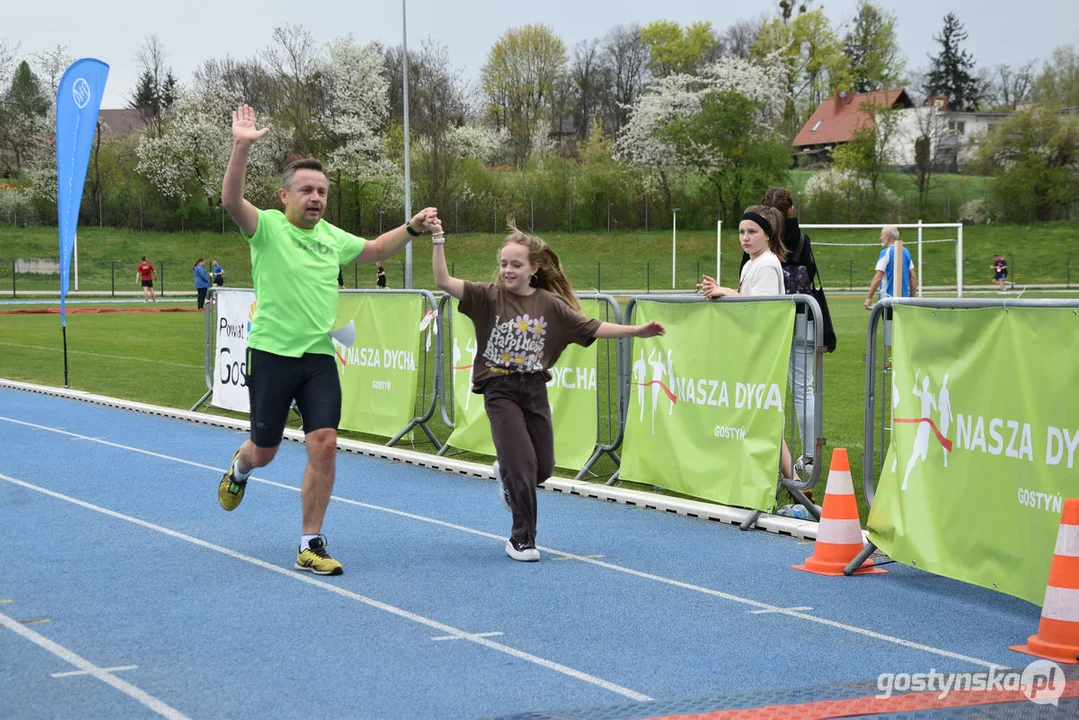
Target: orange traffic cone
839, 536
1058, 631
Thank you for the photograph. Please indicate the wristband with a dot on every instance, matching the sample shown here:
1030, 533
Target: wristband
413, 233
439, 238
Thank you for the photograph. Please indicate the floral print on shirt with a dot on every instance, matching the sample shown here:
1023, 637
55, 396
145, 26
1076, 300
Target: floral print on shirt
517, 345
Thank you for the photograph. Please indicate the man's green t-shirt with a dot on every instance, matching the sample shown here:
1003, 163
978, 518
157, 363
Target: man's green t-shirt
295, 277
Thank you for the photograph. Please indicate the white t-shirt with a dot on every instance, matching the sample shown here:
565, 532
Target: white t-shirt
762, 275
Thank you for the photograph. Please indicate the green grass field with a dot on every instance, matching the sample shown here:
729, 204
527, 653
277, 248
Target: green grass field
158, 358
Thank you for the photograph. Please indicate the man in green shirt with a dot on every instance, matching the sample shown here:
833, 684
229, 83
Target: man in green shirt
295, 258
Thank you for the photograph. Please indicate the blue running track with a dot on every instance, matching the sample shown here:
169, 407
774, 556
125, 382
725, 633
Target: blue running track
127, 592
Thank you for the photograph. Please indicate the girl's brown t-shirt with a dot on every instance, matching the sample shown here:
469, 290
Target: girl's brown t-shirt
521, 333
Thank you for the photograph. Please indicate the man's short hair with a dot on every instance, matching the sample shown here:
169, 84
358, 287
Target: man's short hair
892, 232
144, 258
301, 164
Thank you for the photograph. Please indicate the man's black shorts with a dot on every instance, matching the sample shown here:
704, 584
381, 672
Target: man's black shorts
147, 283
274, 381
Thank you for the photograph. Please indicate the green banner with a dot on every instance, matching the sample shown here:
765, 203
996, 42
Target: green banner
380, 370
706, 400
983, 443
572, 392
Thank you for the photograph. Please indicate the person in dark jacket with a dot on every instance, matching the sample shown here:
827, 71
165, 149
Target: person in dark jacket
803, 359
202, 281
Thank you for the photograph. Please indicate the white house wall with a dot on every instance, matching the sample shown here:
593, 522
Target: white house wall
912, 123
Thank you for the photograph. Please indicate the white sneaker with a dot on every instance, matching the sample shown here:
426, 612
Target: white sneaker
522, 553
503, 492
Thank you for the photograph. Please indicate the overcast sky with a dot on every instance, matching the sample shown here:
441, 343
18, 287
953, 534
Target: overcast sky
191, 31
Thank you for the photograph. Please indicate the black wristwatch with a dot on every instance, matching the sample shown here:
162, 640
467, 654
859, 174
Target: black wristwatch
413, 233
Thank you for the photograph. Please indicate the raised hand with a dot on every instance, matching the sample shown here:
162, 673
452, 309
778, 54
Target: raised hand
424, 220
243, 125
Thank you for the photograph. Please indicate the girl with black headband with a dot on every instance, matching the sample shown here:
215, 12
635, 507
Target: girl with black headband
758, 231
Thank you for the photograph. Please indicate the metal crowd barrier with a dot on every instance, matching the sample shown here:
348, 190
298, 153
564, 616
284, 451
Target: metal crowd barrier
210, 312
437, 385
428, 412
796, 487
420, 419
883, 311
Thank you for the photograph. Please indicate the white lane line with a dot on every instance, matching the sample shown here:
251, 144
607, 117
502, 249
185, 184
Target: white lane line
583, 558
73, 673
765, 612
104, 355
455, 637
294, 575
89, 668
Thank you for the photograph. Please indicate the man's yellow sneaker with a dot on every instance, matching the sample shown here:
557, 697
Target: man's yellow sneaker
230, 491
315, 559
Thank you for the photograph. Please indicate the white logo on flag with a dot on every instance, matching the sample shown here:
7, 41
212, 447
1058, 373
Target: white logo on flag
81, 92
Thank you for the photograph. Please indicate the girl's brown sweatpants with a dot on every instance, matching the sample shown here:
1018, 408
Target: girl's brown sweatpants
520, 419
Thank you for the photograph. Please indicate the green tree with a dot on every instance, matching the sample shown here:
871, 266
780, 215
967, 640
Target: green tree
26, 106
298, 97
155, 91
440, 106
951, 74
1058, 83
816, 64
674, 49
873, 49
787, 8
1033, 156
723, 142
519, 80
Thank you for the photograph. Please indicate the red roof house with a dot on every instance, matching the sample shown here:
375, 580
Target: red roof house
835, 120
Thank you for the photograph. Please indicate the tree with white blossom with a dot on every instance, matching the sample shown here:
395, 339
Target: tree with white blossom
194, 149
357, 105
672, 126
41, 166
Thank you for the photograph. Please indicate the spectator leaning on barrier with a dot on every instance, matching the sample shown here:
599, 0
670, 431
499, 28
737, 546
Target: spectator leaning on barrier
202, 281
799, 270
524, 320
884, 270
290, 354
758, 231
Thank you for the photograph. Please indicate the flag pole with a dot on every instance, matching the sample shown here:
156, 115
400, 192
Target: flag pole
78, 102
67, 382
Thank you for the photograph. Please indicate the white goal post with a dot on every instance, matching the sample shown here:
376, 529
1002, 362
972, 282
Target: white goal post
919, 226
